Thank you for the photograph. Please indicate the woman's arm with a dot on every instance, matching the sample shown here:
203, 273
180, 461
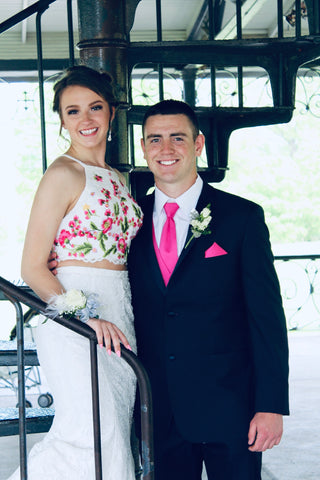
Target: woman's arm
58, 190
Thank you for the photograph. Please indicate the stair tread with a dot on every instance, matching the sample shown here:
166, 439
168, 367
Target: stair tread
12, 413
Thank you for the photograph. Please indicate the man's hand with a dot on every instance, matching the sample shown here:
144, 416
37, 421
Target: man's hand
265, 431
52, 263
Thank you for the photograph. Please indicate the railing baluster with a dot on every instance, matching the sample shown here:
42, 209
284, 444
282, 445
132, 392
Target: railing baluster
95, 409
70, 33
41, 92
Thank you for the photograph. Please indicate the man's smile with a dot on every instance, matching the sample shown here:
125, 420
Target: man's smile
168, 162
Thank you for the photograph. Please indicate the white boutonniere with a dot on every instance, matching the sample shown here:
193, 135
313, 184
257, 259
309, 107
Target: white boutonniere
200, 223
73, 302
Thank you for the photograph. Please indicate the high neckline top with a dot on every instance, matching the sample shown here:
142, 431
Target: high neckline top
102, 223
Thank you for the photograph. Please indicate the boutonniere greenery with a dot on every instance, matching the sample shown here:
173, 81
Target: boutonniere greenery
200, 222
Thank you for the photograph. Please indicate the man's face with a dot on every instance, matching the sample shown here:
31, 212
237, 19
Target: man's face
171, 152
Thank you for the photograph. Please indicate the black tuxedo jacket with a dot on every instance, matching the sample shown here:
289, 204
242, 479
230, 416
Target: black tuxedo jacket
213, 341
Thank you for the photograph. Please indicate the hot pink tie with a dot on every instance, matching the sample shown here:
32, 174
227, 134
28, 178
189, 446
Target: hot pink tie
168, 243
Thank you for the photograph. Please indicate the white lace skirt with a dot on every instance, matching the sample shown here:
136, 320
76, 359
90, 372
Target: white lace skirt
66, 452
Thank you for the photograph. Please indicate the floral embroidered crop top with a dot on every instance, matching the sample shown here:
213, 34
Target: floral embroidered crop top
102, 223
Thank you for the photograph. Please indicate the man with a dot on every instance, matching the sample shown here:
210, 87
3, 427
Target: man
210, 328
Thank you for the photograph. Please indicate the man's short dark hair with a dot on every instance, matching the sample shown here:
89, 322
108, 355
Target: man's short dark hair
173, 107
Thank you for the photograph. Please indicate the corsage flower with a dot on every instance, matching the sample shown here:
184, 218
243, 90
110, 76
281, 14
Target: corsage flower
200, 222
73, 302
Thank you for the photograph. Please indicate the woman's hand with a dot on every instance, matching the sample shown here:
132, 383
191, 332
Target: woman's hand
108, 332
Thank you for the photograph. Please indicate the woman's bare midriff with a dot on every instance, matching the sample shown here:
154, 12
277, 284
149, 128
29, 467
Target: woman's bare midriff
101, 264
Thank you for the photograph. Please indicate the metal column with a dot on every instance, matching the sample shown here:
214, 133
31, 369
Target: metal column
104, 27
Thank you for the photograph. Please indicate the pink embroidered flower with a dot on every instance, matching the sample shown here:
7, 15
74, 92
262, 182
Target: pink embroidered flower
122, 245
106, 225
106, 193
64, 237
115, 187
98, 178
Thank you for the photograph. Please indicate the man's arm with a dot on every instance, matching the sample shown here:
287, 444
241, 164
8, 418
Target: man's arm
266, 320
268, 337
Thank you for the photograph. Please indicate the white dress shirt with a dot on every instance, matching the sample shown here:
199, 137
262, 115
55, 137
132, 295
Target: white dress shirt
187, 201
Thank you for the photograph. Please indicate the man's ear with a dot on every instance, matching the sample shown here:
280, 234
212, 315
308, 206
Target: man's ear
199, 144
143, 148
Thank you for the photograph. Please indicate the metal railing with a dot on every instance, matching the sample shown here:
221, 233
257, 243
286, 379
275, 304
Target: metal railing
39, 8
17, 295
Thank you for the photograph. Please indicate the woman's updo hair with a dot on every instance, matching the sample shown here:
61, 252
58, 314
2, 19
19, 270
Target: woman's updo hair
80, 75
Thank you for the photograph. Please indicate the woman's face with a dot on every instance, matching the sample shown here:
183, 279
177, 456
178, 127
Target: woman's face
86, 116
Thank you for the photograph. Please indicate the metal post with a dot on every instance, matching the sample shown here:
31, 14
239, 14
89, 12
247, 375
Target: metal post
70, 33
21, 388
96, 408
41, 92
21, 392
189, 85
103, 42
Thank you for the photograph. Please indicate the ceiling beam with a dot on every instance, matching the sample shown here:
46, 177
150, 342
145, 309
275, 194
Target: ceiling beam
248, 11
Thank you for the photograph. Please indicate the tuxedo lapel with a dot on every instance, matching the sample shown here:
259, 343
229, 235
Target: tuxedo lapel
203, 201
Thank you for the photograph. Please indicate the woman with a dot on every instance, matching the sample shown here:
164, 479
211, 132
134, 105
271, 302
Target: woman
85, 214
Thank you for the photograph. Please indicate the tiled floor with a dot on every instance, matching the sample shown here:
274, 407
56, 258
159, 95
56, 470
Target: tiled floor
298, 455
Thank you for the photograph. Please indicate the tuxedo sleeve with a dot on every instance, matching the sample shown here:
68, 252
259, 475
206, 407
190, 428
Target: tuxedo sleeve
266, 319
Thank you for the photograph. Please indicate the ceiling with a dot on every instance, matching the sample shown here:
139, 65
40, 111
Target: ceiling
178, 19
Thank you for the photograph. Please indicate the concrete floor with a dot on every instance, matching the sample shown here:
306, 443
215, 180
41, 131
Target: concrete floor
298, 455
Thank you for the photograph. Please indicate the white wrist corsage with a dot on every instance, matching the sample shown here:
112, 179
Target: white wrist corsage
200, 223
74, 303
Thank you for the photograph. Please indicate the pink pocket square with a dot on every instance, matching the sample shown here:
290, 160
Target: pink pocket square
215, 251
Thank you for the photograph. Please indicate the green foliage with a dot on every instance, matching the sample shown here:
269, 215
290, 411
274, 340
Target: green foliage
278, 167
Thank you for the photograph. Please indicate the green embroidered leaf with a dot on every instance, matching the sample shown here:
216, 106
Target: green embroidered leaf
124, 225
112, 249
137, 210
85, 248
116, 209
93, 226
102, 245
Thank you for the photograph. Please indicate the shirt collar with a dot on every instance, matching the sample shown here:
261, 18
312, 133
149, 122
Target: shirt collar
187, 201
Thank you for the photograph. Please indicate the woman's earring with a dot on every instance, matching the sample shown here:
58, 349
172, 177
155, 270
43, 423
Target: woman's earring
109, 136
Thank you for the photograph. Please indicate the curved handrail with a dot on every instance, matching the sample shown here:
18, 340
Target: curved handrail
24, 14
22, 294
